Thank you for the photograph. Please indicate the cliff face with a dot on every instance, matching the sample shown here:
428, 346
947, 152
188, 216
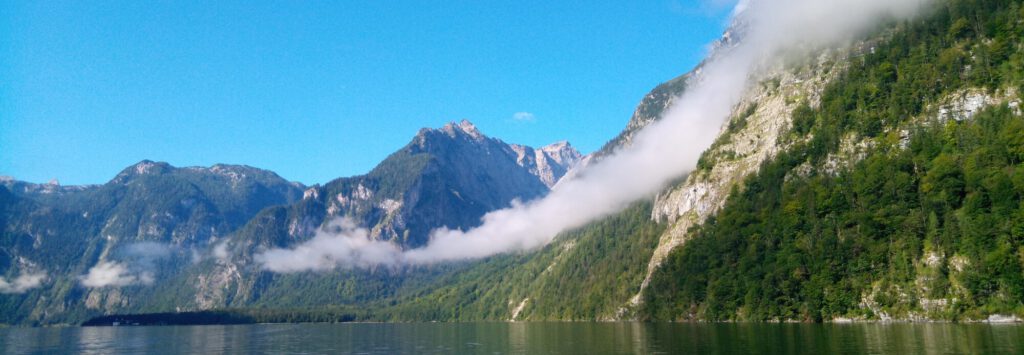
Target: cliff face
449, 176
157, 236
751, 137
866, 131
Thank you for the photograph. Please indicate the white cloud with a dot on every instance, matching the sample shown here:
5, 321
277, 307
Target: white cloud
670, 147
138, 267
523, 116
220, 251
340, 244
149, 251
24, 282
660, 153
114, 274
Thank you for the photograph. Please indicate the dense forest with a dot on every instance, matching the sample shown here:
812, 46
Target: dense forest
929, 224
588, 273
231, 316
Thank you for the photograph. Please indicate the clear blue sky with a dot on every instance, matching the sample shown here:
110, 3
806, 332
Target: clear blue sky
316, 90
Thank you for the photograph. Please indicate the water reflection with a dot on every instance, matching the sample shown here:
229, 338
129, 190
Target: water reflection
518, 338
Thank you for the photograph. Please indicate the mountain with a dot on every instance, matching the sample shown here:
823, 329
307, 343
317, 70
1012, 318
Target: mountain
875, 181
129, 244
446, 177
870, 183
150, 211
449, 176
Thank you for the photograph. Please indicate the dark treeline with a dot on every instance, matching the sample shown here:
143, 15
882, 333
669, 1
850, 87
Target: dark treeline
231, 316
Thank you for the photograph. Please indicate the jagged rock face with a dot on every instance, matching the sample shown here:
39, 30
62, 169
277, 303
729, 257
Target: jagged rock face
659, 99
209, 221
548, 163
450, 176
766, 111
649, 110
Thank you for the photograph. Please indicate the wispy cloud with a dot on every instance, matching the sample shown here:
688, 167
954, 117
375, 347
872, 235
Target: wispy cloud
114, 274
24, 282
139, 266
220, 251
670, 147
659, 153
523, 116
340, 244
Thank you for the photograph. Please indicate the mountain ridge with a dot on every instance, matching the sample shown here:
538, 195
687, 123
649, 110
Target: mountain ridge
155, 223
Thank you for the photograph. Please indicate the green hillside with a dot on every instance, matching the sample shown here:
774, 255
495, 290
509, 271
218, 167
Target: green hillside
931, 227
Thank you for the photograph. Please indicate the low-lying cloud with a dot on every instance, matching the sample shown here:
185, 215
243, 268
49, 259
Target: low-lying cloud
24, 282
138, 266
340, 244
115, 274
660, 153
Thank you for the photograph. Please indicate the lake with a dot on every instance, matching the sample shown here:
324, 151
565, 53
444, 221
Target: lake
522, 338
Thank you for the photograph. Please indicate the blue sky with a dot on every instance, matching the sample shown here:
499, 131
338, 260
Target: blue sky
321, 89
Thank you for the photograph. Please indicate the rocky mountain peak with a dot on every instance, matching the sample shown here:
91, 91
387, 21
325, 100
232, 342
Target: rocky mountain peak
464, 127
145, 167
562, 153
150, 167
549, 163
468, 127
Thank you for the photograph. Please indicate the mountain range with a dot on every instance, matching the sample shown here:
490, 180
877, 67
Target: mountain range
154, 221
875, 181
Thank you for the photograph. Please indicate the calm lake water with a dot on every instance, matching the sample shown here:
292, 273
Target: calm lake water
523, 338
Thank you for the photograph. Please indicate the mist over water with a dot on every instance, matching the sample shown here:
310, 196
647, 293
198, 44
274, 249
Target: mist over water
659, 153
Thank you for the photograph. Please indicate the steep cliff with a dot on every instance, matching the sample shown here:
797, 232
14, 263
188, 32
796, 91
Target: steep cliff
867, 199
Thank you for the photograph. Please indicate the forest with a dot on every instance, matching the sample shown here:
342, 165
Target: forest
925, 226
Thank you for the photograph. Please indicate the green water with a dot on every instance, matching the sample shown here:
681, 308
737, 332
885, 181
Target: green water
524, 338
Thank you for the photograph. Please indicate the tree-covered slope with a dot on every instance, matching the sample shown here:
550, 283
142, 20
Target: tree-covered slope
150, 211
586, 274
162, 238
926, 224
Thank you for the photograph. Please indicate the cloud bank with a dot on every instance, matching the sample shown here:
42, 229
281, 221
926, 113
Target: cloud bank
115, 274
670, 147
139, 266
341, 243
661, 152
24, 282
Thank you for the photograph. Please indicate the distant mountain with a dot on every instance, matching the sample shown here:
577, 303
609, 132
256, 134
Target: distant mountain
448, 177
155, 221
151, 211
154, 201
